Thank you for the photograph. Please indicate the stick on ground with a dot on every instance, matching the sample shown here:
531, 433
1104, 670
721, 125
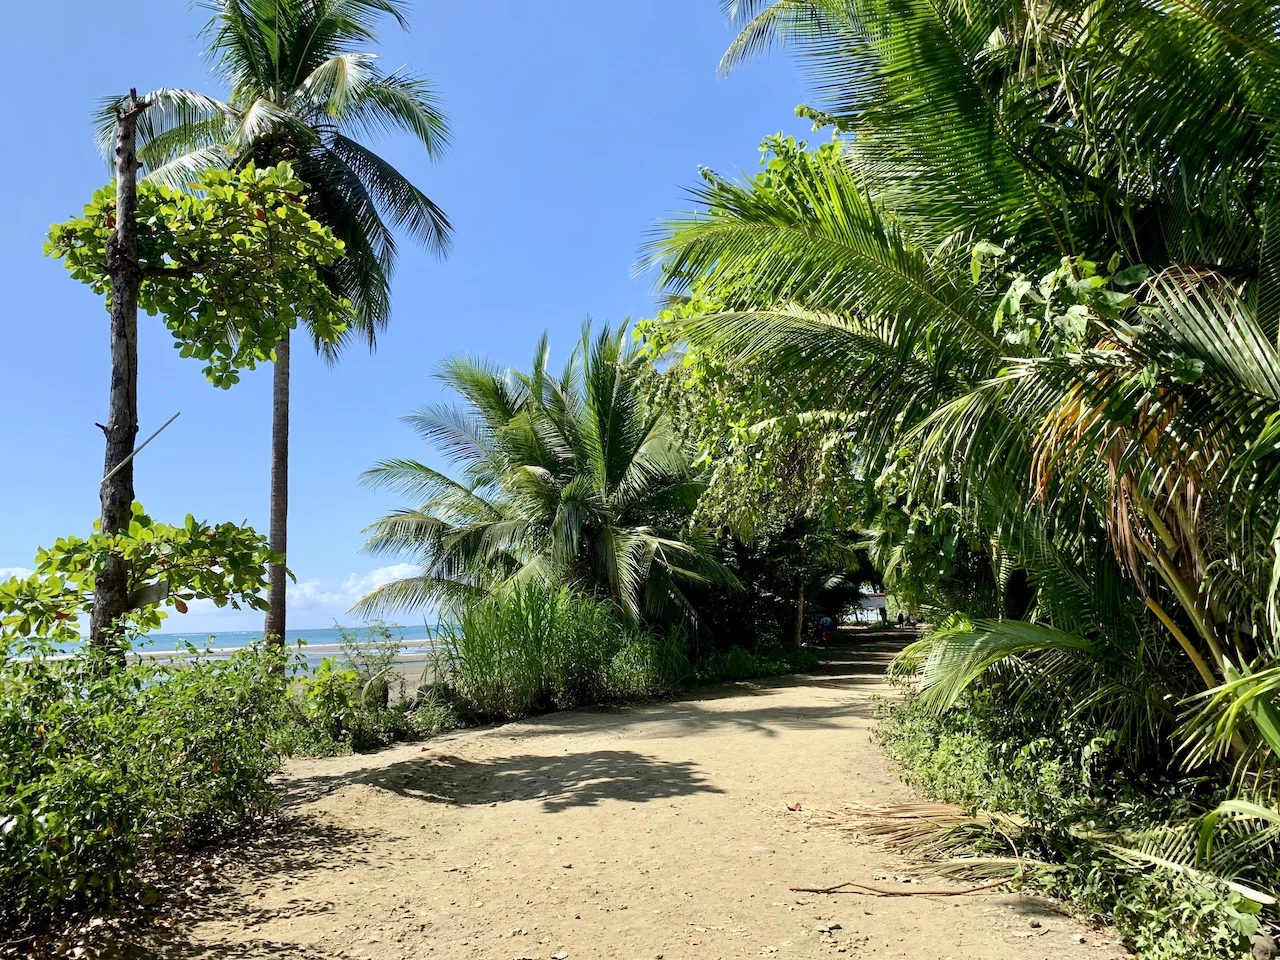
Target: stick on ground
881, 892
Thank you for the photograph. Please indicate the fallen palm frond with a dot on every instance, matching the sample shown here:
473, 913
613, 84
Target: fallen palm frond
1185, 848
935, 829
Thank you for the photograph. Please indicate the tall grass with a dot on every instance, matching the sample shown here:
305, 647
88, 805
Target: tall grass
539, 648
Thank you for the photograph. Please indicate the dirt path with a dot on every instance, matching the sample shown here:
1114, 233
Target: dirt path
659, 831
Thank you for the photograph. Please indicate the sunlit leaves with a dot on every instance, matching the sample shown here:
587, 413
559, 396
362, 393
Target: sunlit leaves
225, 564
572, 478
230, 265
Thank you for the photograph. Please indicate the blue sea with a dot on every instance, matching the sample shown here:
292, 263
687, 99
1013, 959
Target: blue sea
417, 642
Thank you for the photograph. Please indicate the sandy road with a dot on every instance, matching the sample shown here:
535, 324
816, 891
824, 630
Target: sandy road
646, 832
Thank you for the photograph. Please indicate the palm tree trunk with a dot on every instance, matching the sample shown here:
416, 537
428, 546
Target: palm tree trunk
278, 535
111, 585
799, 627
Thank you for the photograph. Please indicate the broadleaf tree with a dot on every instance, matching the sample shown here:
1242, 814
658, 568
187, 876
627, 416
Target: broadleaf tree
230, 265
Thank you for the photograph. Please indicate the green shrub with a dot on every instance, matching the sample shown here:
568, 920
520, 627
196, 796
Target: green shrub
988, 756
540, 648
103, 771
374, 660
360, 702
739, 663
1068, 783
649, 666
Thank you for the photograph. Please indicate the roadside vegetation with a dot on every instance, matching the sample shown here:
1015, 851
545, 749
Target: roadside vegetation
113, 772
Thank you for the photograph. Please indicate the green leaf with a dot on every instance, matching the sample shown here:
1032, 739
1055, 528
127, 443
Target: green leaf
1131, 276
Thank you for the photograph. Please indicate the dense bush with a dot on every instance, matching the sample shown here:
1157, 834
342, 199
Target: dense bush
1079, 804
360, 700
103, 771
739, 663
539, 648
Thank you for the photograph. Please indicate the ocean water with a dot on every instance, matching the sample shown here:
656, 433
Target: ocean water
235, 639
417, 643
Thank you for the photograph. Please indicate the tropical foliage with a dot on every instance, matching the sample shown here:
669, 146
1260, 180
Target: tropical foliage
169, 567
539, 647
104, 773
1031, 283
571, 478
301, 92
232, 263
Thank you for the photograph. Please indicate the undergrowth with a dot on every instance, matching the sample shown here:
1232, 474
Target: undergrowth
1076, 797
360, 701
539, 649
106, 769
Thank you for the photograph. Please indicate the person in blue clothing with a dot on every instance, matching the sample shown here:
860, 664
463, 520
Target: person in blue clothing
826, 626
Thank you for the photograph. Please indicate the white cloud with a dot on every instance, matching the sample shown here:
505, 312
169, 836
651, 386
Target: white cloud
313, 594
338, 598
7, 572
357, 586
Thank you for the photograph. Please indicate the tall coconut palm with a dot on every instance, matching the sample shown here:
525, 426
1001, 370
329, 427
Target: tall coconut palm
303, 91
571, 479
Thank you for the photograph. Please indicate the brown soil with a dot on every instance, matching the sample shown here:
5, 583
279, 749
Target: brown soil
655, 831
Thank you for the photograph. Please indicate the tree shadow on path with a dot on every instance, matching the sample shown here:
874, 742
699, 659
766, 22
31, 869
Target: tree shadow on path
292, 847
559, 782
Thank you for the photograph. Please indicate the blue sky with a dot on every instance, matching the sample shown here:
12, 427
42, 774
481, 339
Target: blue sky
577, 124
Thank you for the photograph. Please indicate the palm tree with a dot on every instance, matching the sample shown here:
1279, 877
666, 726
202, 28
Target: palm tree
301, 91
1107, 438
571, 479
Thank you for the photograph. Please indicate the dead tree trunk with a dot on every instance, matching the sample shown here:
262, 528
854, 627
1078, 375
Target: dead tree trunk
278, 535
111, 586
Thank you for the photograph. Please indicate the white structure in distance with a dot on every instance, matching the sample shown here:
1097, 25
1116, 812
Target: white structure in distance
871, 609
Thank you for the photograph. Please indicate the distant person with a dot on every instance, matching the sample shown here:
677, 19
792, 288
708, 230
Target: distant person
901, 618
826, 626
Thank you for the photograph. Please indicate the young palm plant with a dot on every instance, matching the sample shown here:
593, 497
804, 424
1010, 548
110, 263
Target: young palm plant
573, 479
303, 91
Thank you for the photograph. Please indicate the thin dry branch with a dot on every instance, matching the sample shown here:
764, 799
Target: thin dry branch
881, 892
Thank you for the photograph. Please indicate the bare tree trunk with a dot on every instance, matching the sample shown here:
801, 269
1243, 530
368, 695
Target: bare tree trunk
111, 586
278, 536
799, 630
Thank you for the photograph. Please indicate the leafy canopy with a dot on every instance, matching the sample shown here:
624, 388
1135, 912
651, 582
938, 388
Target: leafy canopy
225, 564
231, 264
1042, 254
305, 89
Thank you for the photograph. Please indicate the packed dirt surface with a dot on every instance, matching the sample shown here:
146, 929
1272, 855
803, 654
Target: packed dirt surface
658, 831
